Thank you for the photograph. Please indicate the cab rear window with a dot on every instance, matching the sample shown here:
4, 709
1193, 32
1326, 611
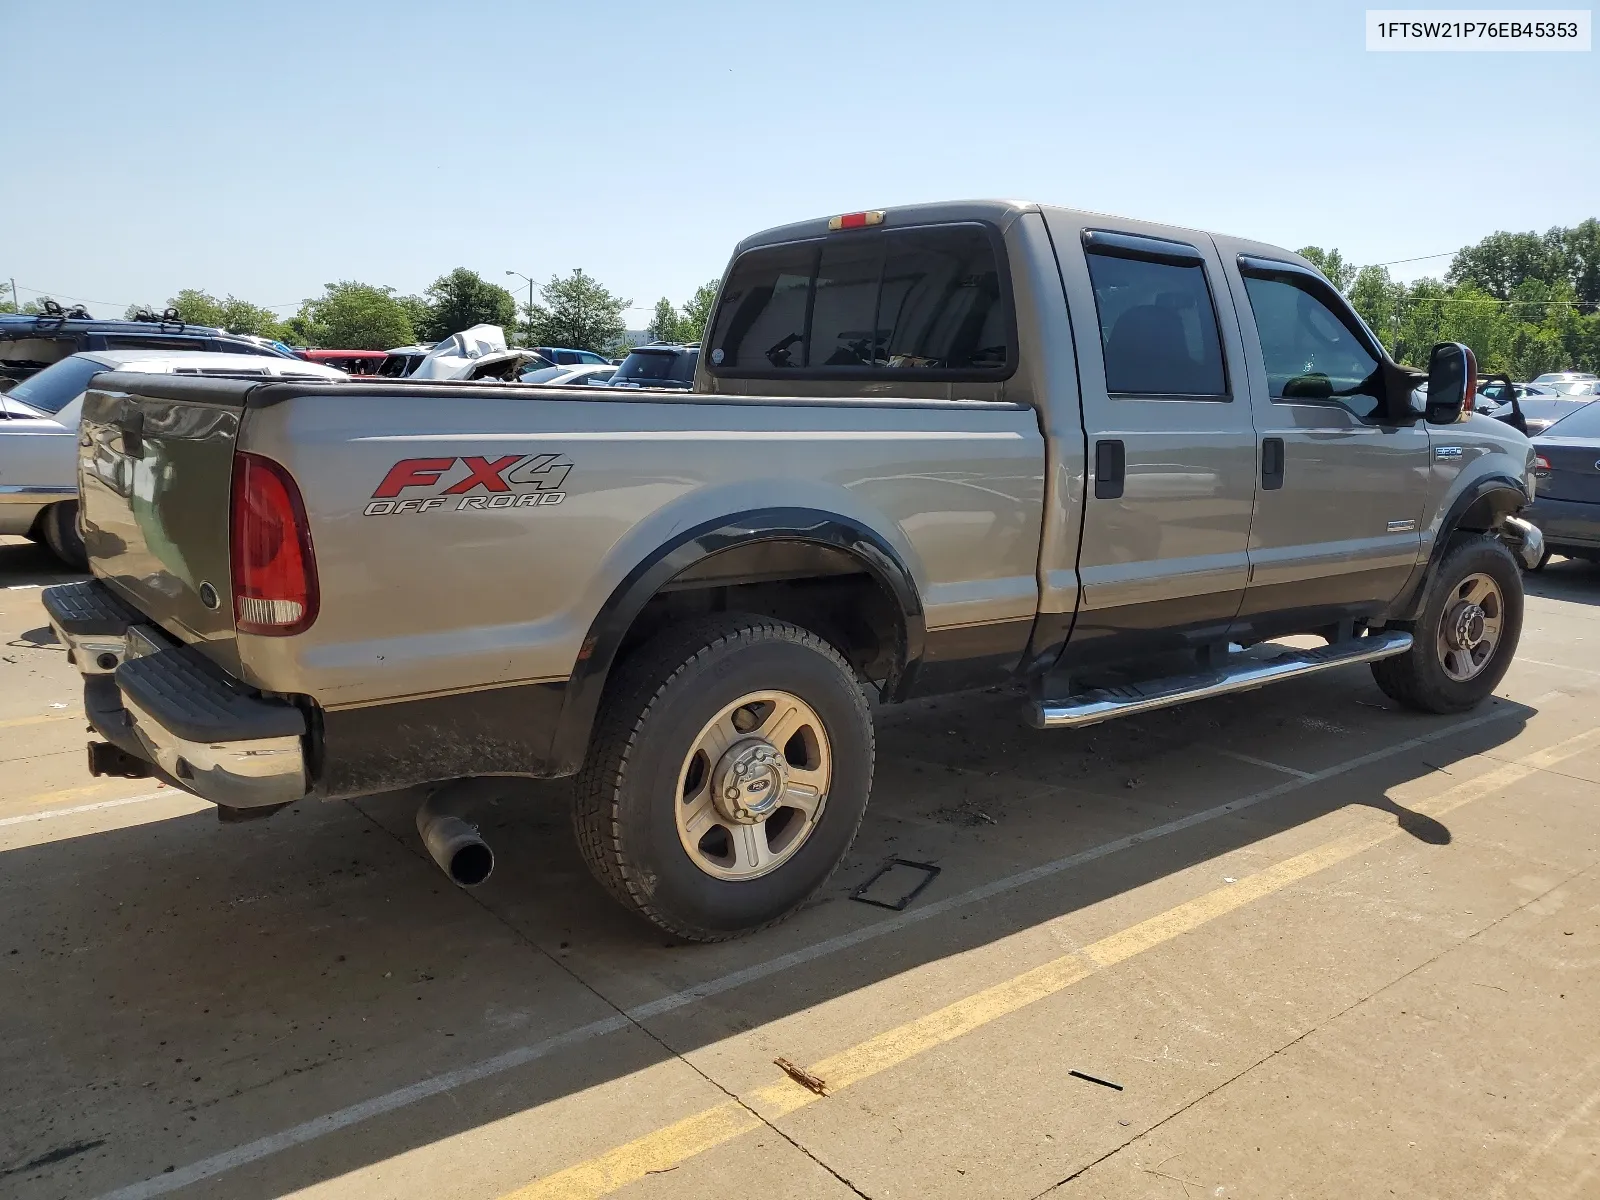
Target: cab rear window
929, 302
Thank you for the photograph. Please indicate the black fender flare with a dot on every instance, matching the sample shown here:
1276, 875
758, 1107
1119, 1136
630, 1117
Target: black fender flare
1487, 500
598, 653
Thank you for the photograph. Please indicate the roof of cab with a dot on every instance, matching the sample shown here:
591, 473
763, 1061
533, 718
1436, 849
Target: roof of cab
1001, 213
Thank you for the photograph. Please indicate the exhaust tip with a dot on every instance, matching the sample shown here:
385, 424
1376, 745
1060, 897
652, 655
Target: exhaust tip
454, 845
471, 864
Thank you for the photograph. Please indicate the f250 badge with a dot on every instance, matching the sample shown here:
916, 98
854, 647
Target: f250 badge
511, 481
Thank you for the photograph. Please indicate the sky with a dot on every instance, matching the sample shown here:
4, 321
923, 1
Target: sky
266, 151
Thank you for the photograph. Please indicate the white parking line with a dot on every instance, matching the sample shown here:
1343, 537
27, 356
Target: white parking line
1538, 662
1261, 762
50, 814
354, 1114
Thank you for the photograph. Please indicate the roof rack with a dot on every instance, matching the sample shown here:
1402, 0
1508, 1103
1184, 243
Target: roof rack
169, 317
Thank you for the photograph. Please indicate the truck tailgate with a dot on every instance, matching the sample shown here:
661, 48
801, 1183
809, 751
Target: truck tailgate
155, 467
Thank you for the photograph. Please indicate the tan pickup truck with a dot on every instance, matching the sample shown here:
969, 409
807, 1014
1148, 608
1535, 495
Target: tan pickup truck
927, 449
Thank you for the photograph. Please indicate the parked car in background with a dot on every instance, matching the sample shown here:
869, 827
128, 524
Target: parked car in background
1541, 412
29, 344
39, 431
588, 375
1565, 376
658, 367
1492, 394
565, 356
1576, 389
399, 362
351, 362
1566, 504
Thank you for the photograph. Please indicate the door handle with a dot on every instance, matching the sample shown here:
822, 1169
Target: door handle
1110, 467
1271, 463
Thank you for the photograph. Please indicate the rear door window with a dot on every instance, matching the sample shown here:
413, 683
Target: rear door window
32, 353
134, 341
1158, 326
925, 302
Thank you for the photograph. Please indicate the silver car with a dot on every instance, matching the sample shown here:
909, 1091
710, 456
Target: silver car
39, 431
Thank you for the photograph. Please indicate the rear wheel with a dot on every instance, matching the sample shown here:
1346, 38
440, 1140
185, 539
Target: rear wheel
58, 524
1467, 633
728, 775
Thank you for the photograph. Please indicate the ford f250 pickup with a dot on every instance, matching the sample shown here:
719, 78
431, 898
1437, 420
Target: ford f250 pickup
932, 448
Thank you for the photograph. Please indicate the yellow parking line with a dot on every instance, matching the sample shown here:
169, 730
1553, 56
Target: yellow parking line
45, 800
18, 722
674, 1144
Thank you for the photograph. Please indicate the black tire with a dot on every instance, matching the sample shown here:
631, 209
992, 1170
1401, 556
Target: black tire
656, 705
1417, 678
58, 524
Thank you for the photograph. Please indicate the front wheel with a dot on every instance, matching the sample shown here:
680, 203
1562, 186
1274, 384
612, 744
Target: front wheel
1466, 635
728, 775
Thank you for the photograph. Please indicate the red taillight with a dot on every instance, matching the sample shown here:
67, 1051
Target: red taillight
1541, 466
274, 571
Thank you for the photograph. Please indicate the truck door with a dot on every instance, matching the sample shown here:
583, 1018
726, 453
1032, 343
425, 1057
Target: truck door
1338, 510
1170, 478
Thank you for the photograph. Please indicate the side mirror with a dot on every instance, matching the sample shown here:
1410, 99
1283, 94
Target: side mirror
1452, 374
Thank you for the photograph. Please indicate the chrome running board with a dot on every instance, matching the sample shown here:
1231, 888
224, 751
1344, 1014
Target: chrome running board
1241, 674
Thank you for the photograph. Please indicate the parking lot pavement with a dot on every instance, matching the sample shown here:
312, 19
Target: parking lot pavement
1286, 943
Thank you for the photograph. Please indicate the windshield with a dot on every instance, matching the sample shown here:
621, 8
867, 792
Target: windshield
647, 364
57, 386
1582, 387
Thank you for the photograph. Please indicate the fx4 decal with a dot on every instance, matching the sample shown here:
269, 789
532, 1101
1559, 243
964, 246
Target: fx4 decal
509, 481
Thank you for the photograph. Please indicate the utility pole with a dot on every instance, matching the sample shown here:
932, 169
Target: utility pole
15, 307
520, 275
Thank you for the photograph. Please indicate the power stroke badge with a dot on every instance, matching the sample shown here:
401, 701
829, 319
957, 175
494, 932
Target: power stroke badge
510, 481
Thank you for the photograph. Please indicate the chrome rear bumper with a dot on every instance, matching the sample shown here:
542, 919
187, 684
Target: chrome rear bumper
170, 705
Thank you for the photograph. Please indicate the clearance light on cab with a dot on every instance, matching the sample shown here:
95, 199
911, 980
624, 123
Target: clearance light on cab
858, 220
274, 571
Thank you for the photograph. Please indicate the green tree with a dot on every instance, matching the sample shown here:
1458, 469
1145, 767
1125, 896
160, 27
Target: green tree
1501, 261
196, 307
8, 299
352, 316
579, 312
1378, 298
1578, 250
1332, 264
417, 312
462, 299
665, 323
697, 312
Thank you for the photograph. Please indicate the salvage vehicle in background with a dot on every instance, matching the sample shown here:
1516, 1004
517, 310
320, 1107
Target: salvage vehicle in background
401, 361
39, 432
351, 362
31, 343
928, 449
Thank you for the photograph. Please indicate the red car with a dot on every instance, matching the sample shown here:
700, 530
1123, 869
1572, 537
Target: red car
356, 362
